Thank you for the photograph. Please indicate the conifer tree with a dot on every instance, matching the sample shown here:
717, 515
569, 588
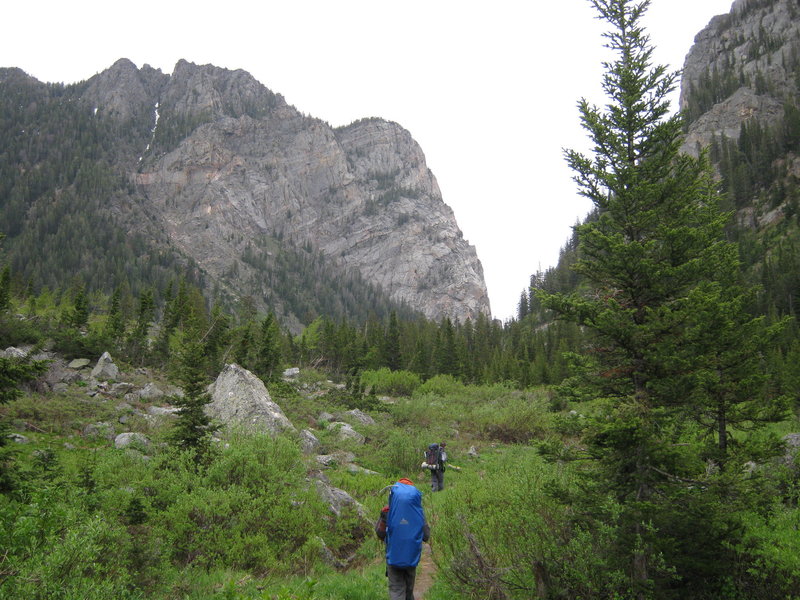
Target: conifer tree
268, 351
662, 307
391, 344
77, 314
115, 324
445, 355
137, 340
5, 287
13, 373
192, 430
217, 337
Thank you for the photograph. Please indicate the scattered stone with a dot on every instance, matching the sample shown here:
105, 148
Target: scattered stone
79, 363
309, 443
337, 458
291, 373
355, 469
12, 352
792, 441
359, 416
102, 429
325, 417
17, 438
150, 392
105, 369
120, 389
131, 439
328, 557
472, 452
346, 432
162, 411
337, 499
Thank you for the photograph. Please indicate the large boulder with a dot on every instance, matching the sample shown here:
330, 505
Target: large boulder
240, 398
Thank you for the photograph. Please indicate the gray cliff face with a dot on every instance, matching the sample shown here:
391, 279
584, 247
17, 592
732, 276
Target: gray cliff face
229, 164
742, 66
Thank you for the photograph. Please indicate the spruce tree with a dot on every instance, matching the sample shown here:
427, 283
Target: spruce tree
192, 430
114, 329
5, 287
391, 344
268, 351
665, 315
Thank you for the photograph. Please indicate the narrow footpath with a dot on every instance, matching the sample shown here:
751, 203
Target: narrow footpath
426, 573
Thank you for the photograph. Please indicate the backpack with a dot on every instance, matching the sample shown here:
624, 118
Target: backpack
404, 526
432, 456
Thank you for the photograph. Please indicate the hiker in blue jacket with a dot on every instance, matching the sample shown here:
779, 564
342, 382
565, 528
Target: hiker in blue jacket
403, 528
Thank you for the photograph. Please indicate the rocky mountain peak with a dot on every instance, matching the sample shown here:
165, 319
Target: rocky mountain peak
216, 92
227, 169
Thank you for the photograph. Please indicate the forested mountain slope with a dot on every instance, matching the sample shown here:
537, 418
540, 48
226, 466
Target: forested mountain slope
740, 94
134, 176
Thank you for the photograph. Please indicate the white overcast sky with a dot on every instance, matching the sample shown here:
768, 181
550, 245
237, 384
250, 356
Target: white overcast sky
487, 88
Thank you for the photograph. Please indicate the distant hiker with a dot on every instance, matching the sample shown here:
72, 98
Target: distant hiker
435, 458
403, 528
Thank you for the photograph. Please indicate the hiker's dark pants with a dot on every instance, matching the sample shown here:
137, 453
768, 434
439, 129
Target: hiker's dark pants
437, 480
401, 582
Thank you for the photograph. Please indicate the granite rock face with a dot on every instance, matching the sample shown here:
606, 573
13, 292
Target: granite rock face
743, 65
230, 164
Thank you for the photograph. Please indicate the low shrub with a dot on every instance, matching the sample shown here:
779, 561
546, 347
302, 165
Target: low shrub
441, 385
390, 383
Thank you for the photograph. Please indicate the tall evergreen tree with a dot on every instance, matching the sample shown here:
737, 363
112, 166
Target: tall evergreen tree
653, 257
5, 287
192, 430
115, 324
137, 340
268, 351
391, 344
445, 354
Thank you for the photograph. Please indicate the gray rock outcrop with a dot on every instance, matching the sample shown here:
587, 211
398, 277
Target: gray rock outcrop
240, 398
742, 66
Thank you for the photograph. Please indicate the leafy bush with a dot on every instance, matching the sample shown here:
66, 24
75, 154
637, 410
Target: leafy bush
399, 454
517, 419
442, 385
504, 536
390, 383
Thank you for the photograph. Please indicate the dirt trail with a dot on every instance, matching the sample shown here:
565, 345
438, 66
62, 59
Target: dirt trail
426, 573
